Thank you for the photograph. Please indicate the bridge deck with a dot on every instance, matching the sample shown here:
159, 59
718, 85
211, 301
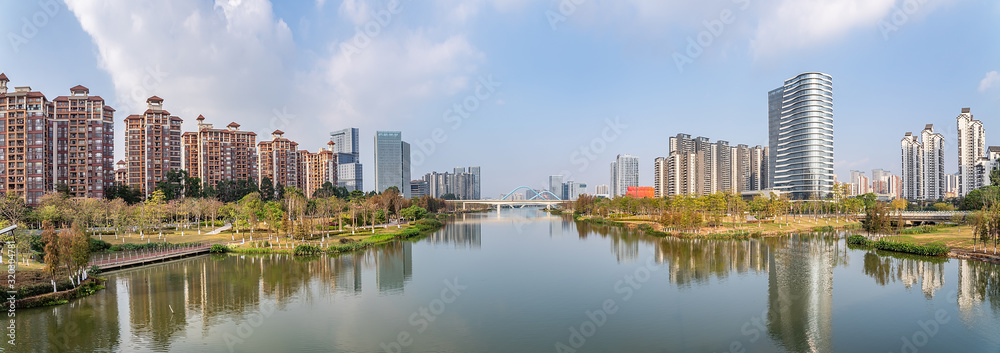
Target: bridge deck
129, 259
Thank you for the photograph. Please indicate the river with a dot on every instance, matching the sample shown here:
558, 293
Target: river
526, 281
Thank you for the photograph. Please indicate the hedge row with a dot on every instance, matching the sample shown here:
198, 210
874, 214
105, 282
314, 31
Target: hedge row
927, 250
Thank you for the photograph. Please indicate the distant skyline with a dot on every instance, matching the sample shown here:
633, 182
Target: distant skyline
522, 88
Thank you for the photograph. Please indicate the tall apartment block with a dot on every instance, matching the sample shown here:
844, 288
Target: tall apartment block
26, 161
660, 177
392, 162
602, 189
987, 164
349, 169
624, 173
800, 134
278, 160
215, 155
933, 163
84, 150
462, 182
859, 183
699, 167
316, 169
971, 150
153, 145
912, 163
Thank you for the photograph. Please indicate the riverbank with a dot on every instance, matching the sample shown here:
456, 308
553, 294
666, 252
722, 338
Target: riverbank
35, 289
958, 238
336, 243
732, 230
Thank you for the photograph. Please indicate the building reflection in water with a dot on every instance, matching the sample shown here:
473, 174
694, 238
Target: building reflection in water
464, 235
394, 266
156, 307
978, 282
800, 279
887, 268
800, 292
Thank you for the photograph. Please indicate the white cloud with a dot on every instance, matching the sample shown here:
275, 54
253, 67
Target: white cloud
225, 61
236, 61
383, 79
796, 24
992, 79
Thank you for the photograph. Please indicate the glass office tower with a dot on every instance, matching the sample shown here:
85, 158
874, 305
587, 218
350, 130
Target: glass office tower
800, 131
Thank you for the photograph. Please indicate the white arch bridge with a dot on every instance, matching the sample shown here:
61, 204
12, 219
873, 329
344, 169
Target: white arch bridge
539, 199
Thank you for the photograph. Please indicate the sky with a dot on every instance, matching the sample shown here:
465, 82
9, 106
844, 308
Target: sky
525, 89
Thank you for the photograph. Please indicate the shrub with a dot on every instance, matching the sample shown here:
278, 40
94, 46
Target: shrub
427, 224
218, 249
927, 250
97, 245
306, 250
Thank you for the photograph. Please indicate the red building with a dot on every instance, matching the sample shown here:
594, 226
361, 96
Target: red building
640, 191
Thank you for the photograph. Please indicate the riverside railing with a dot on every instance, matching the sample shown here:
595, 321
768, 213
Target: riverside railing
143, 255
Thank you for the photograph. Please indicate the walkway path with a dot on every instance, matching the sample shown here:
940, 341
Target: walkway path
226, 227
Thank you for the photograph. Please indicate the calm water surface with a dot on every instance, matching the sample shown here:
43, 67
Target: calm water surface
524, 281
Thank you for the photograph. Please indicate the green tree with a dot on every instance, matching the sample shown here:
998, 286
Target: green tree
941, 206
79, 248
325, 191
53, 256
995, 175
413, 212
266, 189
62, 188
12, 208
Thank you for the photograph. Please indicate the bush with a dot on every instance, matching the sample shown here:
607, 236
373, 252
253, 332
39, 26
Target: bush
306, 250
927, 250
218, 249
918, 230
97, 245
427, 224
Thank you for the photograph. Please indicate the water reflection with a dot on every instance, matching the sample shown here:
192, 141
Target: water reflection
394, 266
888, 268
800, 292
189, 305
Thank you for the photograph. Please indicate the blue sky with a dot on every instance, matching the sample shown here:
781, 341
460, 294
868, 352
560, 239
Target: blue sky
291, 66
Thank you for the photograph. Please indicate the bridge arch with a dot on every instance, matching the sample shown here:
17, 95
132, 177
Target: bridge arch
537, 194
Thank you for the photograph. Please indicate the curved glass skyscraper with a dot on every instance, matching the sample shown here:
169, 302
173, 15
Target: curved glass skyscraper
800, 130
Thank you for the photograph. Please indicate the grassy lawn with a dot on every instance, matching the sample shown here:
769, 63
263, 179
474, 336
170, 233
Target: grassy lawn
955, 237
779, 225
192, 236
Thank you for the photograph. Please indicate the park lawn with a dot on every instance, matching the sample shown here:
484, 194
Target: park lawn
192, 236
955, 237
780, 225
